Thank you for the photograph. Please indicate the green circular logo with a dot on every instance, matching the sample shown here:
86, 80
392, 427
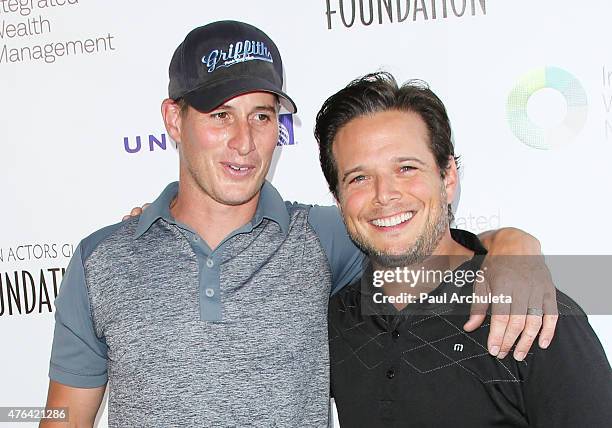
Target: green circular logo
545, 138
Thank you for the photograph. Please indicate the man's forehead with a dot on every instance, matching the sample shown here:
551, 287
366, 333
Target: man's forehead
391, 135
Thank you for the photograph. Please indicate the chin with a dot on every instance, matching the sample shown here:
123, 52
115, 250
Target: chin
393, 251
237, 198
393, 247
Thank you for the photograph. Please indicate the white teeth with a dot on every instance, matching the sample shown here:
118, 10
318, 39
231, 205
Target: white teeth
393, 221
237, 168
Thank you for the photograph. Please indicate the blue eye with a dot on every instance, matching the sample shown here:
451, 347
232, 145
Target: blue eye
358, 179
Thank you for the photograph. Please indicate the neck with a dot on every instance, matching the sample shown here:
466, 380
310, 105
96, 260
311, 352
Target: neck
419, 277
213, 221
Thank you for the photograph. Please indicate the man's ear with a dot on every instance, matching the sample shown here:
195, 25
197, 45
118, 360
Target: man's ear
171, 113
451, 179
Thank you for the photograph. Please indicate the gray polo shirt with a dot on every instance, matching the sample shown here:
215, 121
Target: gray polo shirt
186, 336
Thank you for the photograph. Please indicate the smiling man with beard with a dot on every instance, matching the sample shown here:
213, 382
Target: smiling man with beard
387, 155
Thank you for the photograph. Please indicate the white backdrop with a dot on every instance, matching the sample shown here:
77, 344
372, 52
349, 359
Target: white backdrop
67, 115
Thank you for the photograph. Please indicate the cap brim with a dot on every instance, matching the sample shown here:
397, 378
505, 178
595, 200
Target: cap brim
209, 97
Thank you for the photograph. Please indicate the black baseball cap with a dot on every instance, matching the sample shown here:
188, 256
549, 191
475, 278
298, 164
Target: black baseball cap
222, 60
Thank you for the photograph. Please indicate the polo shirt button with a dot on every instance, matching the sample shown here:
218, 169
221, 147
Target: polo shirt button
210, 263
196, 238
395, 335
210, 292
390, 374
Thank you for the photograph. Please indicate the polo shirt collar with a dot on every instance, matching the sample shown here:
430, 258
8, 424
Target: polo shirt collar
160, 208
270, 206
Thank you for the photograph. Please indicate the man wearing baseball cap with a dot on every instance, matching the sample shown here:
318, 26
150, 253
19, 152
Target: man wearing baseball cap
210, 308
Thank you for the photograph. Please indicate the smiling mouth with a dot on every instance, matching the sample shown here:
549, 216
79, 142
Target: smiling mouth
393, 220
237, 169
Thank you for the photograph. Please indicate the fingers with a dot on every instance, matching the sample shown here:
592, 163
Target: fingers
533, 320
503, 327
478, 311
496, 333
496, 275
136, 211
474, 322
511, 318
533, 294
551, 313
549, 325
532, 326
528, 327
516, 324
533, 323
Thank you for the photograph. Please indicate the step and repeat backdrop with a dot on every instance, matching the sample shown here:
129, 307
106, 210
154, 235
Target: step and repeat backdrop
528, 86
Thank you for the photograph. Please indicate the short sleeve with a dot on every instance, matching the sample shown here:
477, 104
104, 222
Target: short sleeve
78, 355
345, 259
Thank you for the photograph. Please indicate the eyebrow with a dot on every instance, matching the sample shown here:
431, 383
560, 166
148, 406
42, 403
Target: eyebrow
350, 171
396, 160
409, 158
267, 107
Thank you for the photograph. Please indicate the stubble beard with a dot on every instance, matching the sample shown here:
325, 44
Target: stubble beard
423, 247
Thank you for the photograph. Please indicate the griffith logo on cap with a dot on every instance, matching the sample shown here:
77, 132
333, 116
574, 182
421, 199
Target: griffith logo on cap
237, 52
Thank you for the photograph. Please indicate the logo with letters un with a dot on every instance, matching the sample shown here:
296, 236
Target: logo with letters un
285, 130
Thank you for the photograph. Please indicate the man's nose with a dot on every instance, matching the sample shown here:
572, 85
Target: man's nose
241, 138
386, 190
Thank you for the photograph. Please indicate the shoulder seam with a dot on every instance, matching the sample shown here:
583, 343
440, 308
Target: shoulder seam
111, 229
105, 232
